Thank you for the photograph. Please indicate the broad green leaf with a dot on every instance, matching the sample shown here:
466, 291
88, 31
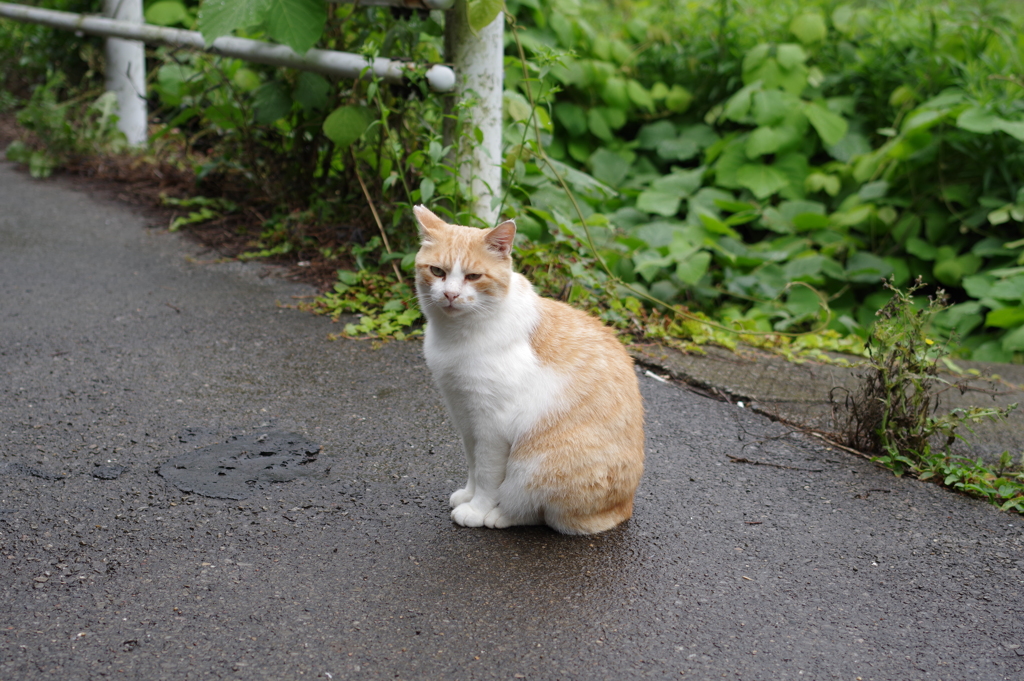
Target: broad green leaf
572, 117
272, 102
716, 226
762, 180
311, 91
1011, 289
221, 17
661, 232
480, 13
598, 126
659, 203
346, 124
791, 210
581, 182
978, 286
1012, 128
950, 271
615, 118
615, 93
649, 263
730, 161
1014, 341
771, 280
809, 221
802, 301
795, 169
808, 266
427, 188
246, 80
639, 95
224, 116
976, 119
1000, 215
167, 13
772, 107
562, 27
992, 351
296, 23
851, 145
991, 246
790, 55
678, 99
705, 202
679, 182
678, 149
703, 135
873, 190
921, 248
1006, 318
818, 182
809, 28
756, 57
922, 119
842, 18
608, 167
693, 268
831, 127
517, 106
765, 140
867, 268
653, 134
737, 108
854, 216
945, 99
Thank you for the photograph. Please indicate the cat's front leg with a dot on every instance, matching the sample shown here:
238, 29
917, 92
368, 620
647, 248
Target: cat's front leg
490, 458
461, 496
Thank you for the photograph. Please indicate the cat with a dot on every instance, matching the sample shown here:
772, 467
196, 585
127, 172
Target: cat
544, 395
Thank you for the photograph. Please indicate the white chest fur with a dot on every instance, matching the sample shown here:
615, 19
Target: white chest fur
492, 380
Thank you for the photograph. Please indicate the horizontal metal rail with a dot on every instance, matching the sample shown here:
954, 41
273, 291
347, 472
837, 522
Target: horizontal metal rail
411, 4
327, 62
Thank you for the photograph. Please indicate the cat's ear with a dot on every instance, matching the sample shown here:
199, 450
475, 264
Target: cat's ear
499, 240
429, 224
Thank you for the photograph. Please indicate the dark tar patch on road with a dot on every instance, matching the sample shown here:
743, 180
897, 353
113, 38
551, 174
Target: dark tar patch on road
242, 465
109, 472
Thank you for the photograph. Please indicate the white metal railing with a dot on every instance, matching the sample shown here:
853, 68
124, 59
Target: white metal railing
477, 58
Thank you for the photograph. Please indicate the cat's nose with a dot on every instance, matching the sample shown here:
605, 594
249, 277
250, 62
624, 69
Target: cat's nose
451, 296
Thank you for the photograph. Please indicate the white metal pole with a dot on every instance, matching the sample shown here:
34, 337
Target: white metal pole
126, 72
479, 64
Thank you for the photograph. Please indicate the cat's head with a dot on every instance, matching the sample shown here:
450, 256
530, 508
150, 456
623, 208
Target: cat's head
462, 270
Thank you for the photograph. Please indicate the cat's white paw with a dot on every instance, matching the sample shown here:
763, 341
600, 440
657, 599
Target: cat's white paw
460, 497
470, 515
497, 519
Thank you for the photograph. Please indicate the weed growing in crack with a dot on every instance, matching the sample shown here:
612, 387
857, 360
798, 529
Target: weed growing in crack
895, 414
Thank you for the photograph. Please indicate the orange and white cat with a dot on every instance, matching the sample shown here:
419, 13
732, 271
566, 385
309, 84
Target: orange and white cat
544, 396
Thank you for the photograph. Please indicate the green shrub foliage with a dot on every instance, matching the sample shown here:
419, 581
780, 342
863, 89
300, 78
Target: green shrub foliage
764, 163
744, 146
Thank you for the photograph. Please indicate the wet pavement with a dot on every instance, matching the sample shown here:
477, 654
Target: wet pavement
124, 351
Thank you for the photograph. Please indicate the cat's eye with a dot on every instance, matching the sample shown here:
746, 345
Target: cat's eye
437, 271
472, 277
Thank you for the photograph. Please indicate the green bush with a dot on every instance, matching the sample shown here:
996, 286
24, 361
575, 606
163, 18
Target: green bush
744, 146
765, 163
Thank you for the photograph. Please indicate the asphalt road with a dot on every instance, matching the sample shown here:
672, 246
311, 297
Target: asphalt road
121, 350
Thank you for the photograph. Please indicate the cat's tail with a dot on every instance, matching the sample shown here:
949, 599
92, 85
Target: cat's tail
567, 522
